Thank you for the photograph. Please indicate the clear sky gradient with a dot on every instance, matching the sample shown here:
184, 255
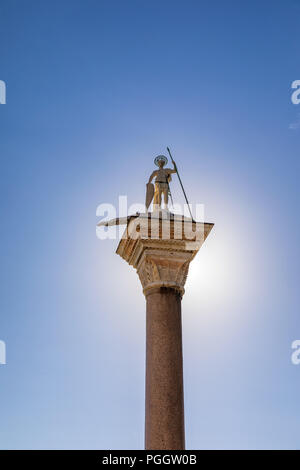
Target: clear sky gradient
95, 90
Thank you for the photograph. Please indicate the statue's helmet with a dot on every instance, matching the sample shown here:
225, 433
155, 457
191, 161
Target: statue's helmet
160, 158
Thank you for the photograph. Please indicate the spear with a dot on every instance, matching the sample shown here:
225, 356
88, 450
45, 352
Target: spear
175, 166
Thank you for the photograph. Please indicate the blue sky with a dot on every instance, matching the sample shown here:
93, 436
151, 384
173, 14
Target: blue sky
95, 90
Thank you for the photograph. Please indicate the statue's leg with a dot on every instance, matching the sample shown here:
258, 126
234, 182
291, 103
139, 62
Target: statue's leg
166, 197
157, 197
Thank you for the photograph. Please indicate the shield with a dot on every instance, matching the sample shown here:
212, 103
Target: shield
149, 194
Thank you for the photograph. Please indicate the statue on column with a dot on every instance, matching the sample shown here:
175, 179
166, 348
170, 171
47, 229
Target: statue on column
162, 179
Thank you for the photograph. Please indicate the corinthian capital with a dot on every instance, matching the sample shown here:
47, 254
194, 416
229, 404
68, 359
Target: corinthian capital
160, 251
164, 268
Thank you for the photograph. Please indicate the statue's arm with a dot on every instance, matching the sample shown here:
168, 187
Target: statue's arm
153, 174
169, 170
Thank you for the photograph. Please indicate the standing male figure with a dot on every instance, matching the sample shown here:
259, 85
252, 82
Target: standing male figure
162, 179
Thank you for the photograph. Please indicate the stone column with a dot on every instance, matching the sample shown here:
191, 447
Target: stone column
162, 264
164, 421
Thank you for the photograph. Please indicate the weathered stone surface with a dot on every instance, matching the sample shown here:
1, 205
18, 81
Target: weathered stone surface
164, 267
161, 251
164, 420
